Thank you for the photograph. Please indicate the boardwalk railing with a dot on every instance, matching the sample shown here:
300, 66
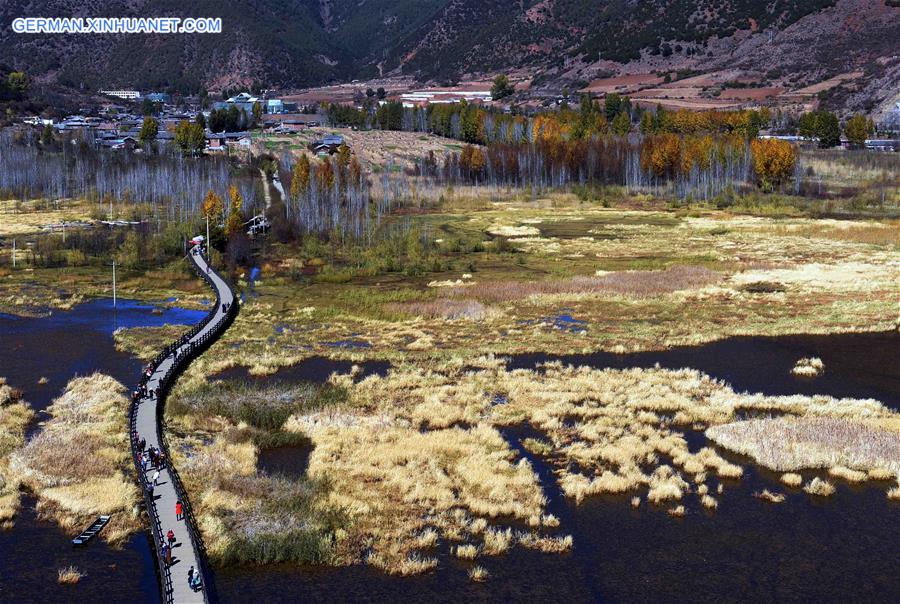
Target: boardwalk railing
184, 350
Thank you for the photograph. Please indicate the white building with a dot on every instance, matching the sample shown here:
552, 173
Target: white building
438, 96
128, 95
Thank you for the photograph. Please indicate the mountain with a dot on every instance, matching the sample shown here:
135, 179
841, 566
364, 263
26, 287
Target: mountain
556, 43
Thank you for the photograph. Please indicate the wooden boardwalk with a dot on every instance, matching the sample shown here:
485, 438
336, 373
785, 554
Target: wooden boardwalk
147, 423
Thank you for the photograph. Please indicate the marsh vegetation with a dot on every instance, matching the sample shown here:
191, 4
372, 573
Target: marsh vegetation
78, 465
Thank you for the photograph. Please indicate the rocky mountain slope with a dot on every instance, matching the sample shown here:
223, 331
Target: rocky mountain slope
295, 43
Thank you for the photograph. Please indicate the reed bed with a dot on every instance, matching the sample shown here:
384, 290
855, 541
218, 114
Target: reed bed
848, 447
479, 574
15, 415
809, 367
819, 487
79, 464
629, 283
767, 495
792, 479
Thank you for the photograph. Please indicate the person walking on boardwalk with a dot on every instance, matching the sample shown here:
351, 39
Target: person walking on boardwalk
142, 443
191, 577
170, 537
156, 478
179, 510
164, 553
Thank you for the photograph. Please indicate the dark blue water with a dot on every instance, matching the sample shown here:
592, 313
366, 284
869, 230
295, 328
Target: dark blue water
805, 550
76, 342
59, 347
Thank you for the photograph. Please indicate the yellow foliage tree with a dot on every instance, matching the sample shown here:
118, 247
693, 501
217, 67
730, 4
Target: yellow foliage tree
773, 161
212, 205
300, 177
661, 154
235, 219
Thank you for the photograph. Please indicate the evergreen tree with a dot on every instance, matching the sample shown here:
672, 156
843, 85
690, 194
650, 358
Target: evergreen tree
47, 135
829, 130
501, 87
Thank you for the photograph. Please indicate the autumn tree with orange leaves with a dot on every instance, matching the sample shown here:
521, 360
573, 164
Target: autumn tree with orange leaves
773, 161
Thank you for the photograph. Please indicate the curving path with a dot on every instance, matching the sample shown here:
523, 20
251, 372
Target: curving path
147, 423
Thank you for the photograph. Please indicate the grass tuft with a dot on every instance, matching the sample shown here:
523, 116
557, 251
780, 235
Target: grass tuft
819, 487
769, 496
478, 574
792, 479
69, 576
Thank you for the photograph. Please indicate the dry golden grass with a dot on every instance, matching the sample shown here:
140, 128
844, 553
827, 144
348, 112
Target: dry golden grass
809, 367
69, 576
848, 474
544, 543
497, 541
15, 415
479, 574
792, 479
389, 477
78, 465
819, 487
894, 494
709, 502
23, 218
677, 511
466, 552
881, 474
614, 426
818, 442
769, 496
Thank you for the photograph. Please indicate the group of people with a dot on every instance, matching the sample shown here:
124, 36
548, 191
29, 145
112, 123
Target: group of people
193, 579
151, 458
142, 391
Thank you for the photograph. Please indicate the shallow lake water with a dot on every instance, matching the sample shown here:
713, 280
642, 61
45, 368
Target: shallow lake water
76, 342
59, 347
806, 549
